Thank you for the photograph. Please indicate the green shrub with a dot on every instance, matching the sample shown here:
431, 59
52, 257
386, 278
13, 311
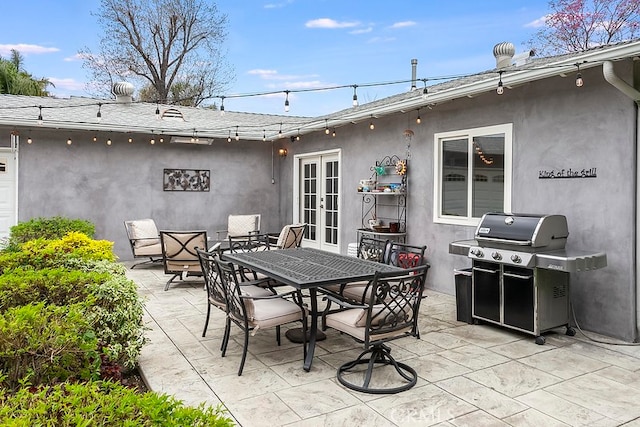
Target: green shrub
42, 344
116, 315
102, 403
110, 302
42, 253
50, 286
49, 228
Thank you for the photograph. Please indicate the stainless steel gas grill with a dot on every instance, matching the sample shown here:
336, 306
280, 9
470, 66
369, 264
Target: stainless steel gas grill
521, 271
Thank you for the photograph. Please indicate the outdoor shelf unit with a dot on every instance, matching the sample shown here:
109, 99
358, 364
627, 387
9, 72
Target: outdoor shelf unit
386, 206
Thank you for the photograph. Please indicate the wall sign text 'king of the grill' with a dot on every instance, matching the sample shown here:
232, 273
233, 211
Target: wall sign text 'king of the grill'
568, 173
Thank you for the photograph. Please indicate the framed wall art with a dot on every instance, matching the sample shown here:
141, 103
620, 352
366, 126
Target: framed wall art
186, 180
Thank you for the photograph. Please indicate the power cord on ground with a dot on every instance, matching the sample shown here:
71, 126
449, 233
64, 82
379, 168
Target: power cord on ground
575, 321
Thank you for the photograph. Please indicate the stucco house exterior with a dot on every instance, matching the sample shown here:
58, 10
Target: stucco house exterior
542, 127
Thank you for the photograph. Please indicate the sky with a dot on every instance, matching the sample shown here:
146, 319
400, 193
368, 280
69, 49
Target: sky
279, 45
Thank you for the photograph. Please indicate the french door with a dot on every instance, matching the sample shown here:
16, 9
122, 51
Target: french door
317, 196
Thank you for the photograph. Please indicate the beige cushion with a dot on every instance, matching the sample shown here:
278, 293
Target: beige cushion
150, 250
144, 232
241, 225
271, 312
353, 322
288, 239
356, 292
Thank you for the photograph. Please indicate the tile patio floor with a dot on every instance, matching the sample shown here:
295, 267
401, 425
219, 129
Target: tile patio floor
469, 375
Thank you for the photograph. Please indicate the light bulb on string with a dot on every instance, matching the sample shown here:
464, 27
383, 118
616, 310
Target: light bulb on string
418, 119
95, 139
500, 89
69, 142
579, 81
280, 131
229, 138
286, 101
222, 105
326, 127
29, 140
99, 113
237, 136
425, 91
157, 111
355, 96
108, 141
40, 115
333, 134
371, 125
264, 135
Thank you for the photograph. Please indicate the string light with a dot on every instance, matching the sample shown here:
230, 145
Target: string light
264, 135
108, 141
333, 134
355, 96
130, 139
425, 91
579, 81
500, 89
237, 136
229, 138
418, 119
40, 115
280, 131
222, 106
326, 127
286, 102
157, 112
371, 125
95, 139
69, 142
29, 140
99, 113
152, 141
298, 135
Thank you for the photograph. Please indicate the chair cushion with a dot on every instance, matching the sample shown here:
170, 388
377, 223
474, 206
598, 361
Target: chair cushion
241, 225
272, 312
150, 250
356, 292
144, 232
354, 321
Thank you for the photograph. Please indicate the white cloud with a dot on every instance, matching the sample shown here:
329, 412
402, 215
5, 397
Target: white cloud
381, 39
362, 31
76, 57
262, 73
274, 75
538, 23
330, 23
26, 49
68, 84
277, 5
403, 24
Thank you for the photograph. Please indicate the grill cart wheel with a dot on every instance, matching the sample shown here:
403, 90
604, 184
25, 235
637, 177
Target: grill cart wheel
570, 331
540, 340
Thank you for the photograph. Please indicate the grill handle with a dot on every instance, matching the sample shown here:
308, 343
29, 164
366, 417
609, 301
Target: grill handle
518, 276
511, 242
486, 270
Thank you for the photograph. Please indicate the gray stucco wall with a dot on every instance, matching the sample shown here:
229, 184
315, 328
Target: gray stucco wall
555, 126
111, 184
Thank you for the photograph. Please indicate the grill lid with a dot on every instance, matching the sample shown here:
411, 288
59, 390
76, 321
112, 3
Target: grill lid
533, 230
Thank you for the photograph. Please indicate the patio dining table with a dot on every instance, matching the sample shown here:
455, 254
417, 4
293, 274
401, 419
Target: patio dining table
310, 269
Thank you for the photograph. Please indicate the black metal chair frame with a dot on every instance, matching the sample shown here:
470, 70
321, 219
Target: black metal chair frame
295, 230
186, 252
237, 311
393, 307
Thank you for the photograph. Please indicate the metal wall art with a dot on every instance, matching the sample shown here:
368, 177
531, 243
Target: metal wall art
186, 180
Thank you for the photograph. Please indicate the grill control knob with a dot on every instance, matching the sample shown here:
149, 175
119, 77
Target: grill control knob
496, 255
477, 252
516, 258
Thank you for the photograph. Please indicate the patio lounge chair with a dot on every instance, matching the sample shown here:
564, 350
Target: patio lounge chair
290, 236
144, 240
179, 253
391, 312
240, 225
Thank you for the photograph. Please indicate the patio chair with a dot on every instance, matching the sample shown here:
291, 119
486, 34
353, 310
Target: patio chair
240, 225
391, 312
290, 236
144, 240
252, 313
179, 254
216, 293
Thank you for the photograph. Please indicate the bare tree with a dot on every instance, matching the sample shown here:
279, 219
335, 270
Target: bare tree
576, 25
161, 44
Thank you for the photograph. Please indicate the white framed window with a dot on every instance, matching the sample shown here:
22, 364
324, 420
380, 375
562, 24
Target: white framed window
473, 176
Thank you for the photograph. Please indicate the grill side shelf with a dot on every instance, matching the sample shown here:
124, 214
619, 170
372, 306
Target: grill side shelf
572, 261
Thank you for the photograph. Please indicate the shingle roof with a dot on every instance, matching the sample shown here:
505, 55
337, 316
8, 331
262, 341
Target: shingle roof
140, 117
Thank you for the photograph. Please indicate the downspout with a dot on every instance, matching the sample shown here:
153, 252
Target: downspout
611, 77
